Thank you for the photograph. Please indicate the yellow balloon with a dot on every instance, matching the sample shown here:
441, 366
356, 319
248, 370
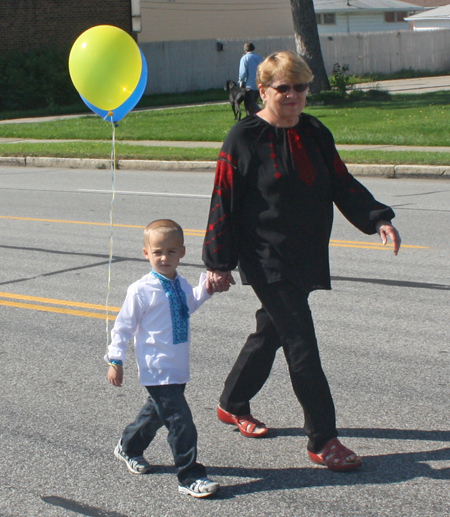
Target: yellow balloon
105, 65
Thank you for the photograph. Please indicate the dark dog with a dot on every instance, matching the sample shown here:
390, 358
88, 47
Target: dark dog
238, 96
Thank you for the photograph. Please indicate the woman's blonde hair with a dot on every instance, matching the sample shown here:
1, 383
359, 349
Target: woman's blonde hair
285, 63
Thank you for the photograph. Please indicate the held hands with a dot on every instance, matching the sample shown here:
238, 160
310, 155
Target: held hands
385, 230
115, 375
218, 281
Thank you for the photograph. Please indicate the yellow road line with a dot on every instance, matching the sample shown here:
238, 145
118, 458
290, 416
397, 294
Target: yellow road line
334, 242
60, 310
186, 231
201, 233
57, 302
366, 246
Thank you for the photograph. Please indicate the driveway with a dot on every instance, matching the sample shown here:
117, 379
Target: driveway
415, 85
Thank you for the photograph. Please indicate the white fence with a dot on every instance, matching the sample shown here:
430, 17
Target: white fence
180, 66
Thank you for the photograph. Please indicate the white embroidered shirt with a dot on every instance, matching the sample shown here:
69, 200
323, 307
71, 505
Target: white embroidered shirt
146, 316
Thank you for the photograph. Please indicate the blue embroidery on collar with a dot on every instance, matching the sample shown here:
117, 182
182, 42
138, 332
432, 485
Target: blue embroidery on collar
179, 311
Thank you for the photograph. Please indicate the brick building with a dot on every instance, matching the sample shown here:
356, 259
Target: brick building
29, 25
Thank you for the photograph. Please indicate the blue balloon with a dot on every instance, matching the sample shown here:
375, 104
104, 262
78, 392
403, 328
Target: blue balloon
129, 104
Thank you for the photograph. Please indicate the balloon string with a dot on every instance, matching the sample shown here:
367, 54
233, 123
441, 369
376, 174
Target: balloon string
111, 235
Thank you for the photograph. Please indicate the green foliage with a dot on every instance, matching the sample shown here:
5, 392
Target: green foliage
339, 79
326, 97
343, 91
35, 80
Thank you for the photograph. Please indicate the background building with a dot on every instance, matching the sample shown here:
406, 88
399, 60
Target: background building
429, 4
177, 20
433, 19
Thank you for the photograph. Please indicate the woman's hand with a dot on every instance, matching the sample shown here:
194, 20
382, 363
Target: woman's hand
218, 281
385, 230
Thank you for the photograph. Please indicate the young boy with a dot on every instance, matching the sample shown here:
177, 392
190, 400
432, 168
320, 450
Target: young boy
156, 313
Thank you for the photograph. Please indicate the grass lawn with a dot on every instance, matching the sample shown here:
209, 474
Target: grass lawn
205, 123
127, 152
405, 120
103, 150
420, 120
396, 158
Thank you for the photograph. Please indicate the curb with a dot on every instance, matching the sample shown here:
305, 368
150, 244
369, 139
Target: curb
385, 171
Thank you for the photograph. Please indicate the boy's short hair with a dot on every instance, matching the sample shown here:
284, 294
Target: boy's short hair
163, 226
249, 47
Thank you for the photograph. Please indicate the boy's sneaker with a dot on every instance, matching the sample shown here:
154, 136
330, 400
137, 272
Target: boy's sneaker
137, 465
202, 487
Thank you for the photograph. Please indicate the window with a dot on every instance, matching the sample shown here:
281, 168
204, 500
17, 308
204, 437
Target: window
326, 19
395, 16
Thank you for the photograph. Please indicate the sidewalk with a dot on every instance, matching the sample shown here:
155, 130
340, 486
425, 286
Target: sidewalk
415, 85
218, 145
386, 171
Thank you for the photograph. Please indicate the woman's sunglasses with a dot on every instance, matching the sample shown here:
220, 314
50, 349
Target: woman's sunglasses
284, 88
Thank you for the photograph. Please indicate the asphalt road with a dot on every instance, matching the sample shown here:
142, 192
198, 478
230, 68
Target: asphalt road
383, 333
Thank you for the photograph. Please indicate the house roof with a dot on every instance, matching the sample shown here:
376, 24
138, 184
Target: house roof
367, 5
441, 13
430, 3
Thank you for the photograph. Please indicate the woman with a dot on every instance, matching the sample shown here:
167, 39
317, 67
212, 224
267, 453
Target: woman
278, 175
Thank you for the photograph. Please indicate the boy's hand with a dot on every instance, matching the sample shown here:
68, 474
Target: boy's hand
115, 375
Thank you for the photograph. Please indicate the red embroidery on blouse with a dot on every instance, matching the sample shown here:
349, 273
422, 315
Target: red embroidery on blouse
339, 166
224, 177
273, 155
215, 238
211, 226
225, 156
303, 163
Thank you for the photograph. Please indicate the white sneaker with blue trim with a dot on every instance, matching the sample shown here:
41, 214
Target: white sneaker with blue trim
137, 465
202, 487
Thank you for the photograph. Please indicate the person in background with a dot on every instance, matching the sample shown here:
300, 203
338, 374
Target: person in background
247, 72
278, 175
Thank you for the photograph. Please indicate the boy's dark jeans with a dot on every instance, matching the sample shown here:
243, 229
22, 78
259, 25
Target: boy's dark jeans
166, 405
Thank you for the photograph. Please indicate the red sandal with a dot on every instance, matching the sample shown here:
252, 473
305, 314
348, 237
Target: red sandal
336, 457
246, 424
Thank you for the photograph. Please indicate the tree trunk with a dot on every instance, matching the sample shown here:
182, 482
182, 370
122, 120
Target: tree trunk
308, 42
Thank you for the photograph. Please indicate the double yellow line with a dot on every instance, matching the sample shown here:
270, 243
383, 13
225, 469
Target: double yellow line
370, 245
199, 233
59, 306
99, 311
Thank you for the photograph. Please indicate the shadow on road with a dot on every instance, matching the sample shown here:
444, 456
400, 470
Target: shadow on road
382, 469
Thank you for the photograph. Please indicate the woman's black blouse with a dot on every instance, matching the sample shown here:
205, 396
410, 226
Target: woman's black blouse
272, 204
